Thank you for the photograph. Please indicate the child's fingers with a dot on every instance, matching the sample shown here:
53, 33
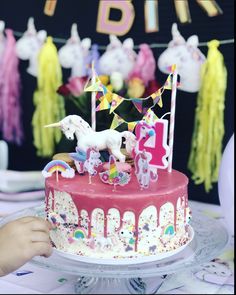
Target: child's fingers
40, 236
41, 249
40, 225
27, 219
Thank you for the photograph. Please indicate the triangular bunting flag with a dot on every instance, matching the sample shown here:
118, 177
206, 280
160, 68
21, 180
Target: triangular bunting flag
116, 101
150, 117
156, 96
138, 104
99, 96
104, 105
108, 96
168, 83
104, 89
159, 102
116, 121
173, 68
97, 86
131, 125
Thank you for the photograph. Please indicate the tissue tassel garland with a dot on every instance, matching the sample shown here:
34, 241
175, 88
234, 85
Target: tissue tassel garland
10, 112
48, 103
206, 149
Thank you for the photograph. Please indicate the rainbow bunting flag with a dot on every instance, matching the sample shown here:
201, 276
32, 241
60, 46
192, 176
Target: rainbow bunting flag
138, 104
116, 101
116, 121
104, 105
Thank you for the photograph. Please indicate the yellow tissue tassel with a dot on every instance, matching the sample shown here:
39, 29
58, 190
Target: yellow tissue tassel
206, 147
49, 106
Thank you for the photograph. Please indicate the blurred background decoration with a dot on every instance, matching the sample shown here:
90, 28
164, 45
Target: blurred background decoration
132, 45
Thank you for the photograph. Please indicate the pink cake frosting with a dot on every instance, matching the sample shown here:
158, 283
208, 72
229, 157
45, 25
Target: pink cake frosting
147, 221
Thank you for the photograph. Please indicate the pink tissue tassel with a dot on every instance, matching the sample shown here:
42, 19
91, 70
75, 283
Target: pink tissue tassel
10, 111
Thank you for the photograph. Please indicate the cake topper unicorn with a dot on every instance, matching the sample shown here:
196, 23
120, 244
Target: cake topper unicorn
29, 45
86, 161
143, 171
74, 126
187, 57
118, 57
75, 53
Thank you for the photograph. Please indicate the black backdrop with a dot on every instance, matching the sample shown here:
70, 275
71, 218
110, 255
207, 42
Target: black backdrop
15, 13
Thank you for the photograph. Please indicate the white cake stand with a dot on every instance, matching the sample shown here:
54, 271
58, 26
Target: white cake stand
142, 278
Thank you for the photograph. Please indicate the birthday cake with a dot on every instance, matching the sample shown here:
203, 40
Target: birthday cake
109, 211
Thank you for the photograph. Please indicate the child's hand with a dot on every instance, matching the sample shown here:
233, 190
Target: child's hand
21, 240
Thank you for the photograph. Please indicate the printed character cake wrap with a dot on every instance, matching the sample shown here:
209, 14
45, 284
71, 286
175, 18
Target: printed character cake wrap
138, 212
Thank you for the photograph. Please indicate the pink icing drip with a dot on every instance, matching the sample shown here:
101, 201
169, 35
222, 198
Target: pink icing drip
79, 219
168, 188
105, 223
89, 222
185, 206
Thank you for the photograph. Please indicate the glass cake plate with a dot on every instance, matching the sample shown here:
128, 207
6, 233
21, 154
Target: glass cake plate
209, 239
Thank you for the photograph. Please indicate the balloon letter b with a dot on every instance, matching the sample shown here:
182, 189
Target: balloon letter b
120, 27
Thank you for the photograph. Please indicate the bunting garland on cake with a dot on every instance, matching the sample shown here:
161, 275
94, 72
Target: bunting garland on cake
150, 117
109, 100
104, 105
117, 121
116, 101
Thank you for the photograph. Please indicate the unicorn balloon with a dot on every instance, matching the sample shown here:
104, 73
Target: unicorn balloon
187, 57
118, 57
29, 45
75, 53
109, 139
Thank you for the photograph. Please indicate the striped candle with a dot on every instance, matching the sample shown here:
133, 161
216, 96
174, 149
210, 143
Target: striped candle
93, 100
172, 117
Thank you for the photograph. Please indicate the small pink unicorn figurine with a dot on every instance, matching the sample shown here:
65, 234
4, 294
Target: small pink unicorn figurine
86, 161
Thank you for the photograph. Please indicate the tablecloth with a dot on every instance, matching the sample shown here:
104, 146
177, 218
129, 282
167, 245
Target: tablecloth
215, 277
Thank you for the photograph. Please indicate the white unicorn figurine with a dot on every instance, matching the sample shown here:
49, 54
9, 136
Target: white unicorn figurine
109, 139
187, 57
29, 45
118, 57
75, 53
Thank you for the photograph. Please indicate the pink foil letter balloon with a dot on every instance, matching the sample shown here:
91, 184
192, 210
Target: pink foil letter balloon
108, 26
